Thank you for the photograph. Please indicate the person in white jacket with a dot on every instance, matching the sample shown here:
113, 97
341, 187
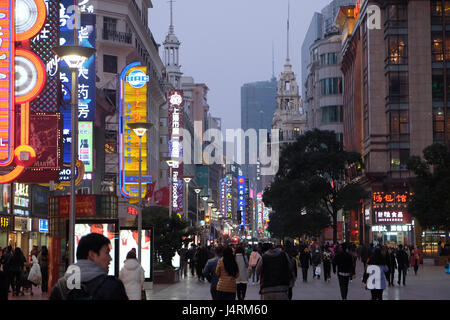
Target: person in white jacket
132, 276
242, 280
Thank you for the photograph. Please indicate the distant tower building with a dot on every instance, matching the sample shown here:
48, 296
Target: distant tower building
289, 117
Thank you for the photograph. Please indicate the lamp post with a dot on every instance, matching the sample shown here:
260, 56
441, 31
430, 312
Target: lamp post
74, 56
210, 205
197, 191
140, 128
205, 198
186, 179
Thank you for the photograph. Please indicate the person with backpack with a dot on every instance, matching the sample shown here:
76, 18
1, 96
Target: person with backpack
209, 272
132, 276
92, 268
43, 263
241, 282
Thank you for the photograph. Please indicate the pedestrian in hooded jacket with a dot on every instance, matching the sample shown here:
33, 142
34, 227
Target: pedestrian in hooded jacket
132, 276
93, 263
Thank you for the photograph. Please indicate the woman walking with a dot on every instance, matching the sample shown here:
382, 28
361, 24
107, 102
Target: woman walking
228, 271
254, 259
132, 276
416, 255
242, 280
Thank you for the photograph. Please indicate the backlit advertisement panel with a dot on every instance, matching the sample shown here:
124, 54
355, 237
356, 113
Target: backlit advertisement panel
229, 193
241, 199
129, 240
106, 229
133, 108
85, 147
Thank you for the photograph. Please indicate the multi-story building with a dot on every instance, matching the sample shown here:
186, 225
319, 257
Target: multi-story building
322, 77
124, 38
394, 69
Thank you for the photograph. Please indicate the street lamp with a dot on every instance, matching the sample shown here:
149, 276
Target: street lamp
197, 191
187, 179
74, 56
140, 128
170, 163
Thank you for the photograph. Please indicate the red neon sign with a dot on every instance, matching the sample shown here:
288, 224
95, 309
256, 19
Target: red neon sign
21, 73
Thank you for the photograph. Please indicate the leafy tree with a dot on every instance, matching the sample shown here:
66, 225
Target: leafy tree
313, 177
167, 235
430, 203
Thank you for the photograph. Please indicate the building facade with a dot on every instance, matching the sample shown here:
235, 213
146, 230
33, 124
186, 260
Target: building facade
394, 106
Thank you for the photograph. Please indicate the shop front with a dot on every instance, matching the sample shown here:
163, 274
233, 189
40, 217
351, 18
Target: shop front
392, 228
21, 235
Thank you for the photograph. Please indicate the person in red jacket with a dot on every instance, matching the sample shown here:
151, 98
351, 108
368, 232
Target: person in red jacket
416, 255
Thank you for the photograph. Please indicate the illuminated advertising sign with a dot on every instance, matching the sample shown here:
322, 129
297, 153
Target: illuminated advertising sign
223, 196
241, 199
5, 223
128, 240
106, 229
229, 190
21, 199
390, 199
133, 108
392, 217
43, 225
260, 210
175, 148
85, 148
86, 74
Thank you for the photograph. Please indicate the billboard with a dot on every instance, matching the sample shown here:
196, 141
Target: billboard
241, 199
83, 228
176, 103
85, 147
229, 195
133, 108
129, 240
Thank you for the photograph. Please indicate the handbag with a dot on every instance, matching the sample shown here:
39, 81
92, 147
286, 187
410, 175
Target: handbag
317, 272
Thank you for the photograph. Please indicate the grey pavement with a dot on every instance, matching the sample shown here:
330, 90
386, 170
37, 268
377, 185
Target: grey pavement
431, 283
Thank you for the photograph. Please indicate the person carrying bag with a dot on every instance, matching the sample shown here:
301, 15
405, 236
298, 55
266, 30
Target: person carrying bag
35, 275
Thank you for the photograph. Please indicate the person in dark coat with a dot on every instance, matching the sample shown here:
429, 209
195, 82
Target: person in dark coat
305, 261
5, 261
3, 285
201, 259
343, 261
183, 261
209, 272
316, 260
190, 255
16, 265
93, 264
43, 264
402, 264
391, 263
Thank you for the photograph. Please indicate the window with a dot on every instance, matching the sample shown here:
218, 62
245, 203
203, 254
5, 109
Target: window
332, 58
436, 8
163, 122
438, 125
109, 63
109, 24
288, 86
398, 49
331, 86
323, 59
397, 16
437, 49
399, 126
398, 86
438, 87
399, 159
315, 55
332, 114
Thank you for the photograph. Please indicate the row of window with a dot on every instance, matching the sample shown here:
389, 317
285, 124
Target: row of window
329, 58
440, 8
330, 86
332, 114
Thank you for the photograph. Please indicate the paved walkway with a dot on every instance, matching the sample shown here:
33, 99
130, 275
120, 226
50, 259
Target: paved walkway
431, 283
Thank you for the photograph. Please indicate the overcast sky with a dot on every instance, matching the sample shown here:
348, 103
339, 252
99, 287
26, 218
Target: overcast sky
225, 44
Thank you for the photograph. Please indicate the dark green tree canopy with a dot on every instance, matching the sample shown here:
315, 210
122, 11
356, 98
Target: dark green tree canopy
313, 177
430, 203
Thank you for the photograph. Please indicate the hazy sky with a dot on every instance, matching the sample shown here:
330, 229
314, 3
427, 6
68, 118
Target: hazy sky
228, 43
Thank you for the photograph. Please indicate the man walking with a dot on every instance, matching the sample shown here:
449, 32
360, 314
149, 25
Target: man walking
209, 272
274, 271
345, 268
183, 261
305, 260
93, 265
402, 264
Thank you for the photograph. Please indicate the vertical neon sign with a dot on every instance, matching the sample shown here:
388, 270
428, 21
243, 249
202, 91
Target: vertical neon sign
241, 199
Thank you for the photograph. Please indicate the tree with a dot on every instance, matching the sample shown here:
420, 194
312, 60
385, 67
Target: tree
167, 235
313, 178
430, 204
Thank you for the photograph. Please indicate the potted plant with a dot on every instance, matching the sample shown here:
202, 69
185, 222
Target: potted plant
168, 236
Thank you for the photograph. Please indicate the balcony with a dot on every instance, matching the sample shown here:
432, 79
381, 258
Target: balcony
117, 36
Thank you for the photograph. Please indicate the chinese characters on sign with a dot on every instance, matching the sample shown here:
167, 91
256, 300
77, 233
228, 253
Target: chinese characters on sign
241, 199
229, 185
392, 217
381, 200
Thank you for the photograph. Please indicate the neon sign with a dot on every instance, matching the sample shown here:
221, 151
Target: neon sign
241, 199
133, 108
